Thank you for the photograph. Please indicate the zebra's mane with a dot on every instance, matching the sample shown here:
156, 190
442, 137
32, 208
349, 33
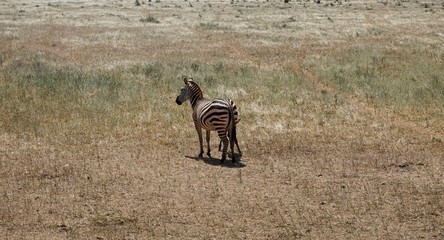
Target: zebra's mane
195, 87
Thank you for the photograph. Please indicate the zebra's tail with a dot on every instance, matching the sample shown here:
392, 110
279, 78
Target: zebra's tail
232, 131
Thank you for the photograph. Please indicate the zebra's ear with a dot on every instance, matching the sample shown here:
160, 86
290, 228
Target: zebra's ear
185, 80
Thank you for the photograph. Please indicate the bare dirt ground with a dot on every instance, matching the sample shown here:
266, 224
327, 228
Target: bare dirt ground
362, 172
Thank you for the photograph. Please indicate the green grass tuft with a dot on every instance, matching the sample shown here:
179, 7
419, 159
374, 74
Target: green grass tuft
391, 78
149, 19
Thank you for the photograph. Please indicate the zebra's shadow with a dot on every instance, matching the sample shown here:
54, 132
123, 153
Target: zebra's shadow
216, 161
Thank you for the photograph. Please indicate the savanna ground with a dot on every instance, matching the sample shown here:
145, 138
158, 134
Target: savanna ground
341, 105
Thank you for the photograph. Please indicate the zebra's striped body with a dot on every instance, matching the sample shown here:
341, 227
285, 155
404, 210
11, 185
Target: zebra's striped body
211, 115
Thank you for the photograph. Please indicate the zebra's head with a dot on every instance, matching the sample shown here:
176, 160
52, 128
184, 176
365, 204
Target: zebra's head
184, 92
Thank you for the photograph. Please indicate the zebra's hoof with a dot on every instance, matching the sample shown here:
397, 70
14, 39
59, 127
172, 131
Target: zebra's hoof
209, 155
200, 155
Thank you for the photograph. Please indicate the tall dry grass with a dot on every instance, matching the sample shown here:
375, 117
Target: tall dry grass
42, 98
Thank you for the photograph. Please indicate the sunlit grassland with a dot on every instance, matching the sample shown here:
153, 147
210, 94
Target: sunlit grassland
341, 108
399, 78
39, 97
108, 128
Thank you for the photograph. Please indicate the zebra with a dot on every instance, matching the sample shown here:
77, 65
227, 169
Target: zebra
211, 115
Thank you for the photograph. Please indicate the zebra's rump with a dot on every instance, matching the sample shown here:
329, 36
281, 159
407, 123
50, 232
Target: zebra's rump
215, 115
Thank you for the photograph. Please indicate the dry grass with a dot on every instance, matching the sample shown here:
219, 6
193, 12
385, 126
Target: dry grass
341, 105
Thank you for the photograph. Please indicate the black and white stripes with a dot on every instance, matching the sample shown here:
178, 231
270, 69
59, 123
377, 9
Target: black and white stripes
218, 115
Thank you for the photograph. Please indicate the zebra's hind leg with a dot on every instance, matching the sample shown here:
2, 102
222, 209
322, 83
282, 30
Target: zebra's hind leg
233, 157
224, 139
208, 143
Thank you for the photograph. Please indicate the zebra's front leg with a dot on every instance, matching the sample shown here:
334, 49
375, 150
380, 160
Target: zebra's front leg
199, 134
208, 143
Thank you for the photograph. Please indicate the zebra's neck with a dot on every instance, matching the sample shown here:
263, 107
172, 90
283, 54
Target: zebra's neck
196, 95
